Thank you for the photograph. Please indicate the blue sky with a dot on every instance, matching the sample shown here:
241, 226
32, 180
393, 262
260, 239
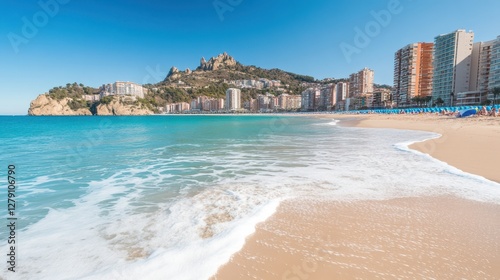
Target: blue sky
96, 42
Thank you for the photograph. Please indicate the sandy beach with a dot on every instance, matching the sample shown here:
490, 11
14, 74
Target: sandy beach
470, 144
407, 238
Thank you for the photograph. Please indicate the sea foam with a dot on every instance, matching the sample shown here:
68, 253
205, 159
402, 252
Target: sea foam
178, 205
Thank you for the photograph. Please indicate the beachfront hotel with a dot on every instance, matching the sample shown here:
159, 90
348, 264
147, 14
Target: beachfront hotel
233, 99
452, 65
413, 72
122, 88
480, 75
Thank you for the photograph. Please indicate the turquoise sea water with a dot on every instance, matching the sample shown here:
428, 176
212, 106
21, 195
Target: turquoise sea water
152, 197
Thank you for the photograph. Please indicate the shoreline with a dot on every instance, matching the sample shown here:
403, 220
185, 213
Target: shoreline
480, 133
414, 237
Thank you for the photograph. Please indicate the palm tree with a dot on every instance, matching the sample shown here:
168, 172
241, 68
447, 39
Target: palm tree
414, 99
496, 92
419, 100
427, 99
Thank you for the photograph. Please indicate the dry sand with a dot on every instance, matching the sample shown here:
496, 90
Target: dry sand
406, 238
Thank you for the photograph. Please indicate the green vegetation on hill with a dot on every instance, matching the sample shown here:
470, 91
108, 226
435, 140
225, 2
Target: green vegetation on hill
76, 104
382, 86
212, 91
183, 87
106, 100
165, 93
73, 90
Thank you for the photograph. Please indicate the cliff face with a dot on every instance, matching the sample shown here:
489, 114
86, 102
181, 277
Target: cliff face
222, 61
215, 63
117, 107
43, 105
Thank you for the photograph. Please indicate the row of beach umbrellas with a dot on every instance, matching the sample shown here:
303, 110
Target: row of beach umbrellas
422, 110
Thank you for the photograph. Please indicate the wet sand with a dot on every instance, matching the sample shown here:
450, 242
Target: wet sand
470, 144
406, 238
411, 238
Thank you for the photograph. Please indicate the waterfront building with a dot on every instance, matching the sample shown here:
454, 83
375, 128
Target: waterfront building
452, 65
327, 97
122, 88
413, 72
479, 75
233, 99
494, 79
342, 89
310, 99
176, 108
361, 83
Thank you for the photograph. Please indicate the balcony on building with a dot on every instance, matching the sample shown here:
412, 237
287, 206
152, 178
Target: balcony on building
469, 98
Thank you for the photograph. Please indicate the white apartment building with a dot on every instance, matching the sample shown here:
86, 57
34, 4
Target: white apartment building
452, 65
342, 91
233, 99
122, 88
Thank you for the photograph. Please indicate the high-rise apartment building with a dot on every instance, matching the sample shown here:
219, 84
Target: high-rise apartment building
479, 75
177, 108
494, 79
282, 101
266, 102
413, 72
233, 99
361, 88
361, 83
452, 65
342, 91
310, 100
327, 98
217, 104
480, 66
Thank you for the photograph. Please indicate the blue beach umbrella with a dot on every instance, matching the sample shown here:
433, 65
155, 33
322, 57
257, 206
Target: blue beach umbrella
466, 113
